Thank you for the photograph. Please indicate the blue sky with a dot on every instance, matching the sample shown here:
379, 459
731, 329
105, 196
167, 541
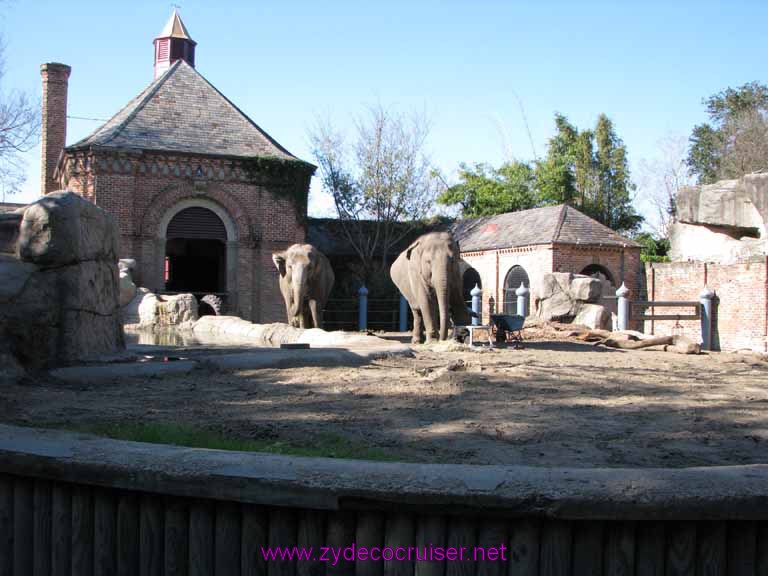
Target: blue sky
464, 64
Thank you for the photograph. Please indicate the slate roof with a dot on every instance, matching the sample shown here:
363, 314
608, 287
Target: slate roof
182, 112
560, 224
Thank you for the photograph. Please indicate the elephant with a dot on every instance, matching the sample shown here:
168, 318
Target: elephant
306, 279
427, 273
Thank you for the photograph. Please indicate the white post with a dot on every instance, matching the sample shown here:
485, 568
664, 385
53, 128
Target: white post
705, 299
522, 300
623, 295
477, 304
362, 317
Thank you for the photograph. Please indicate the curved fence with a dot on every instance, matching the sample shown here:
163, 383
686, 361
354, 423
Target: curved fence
74, 504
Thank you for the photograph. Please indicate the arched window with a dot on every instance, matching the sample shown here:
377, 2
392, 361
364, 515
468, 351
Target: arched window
471, 279
516, 276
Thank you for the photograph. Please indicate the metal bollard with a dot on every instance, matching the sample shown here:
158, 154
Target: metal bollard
477, 304
622, 294
522, 300
705, 299
362, 317
403, 318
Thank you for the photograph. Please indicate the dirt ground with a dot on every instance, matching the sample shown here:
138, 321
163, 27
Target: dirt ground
555, 403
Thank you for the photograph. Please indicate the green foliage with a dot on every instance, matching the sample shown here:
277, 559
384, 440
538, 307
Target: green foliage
653, 249
587, 169
484, 190
286, 178
323, 445
735, 141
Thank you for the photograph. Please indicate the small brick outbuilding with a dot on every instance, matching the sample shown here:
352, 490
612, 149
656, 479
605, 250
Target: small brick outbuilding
520, 247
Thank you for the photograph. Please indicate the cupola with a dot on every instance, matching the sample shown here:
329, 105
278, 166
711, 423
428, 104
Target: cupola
172, 44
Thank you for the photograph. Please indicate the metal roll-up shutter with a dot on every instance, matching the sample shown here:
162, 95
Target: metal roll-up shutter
197, 222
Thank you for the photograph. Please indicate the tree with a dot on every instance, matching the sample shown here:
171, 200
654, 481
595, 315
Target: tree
484, 190
662, 178
590, 170
19, 131
735, 141
652, 249
382, 184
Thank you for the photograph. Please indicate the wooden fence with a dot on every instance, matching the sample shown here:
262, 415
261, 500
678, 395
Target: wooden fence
73, 504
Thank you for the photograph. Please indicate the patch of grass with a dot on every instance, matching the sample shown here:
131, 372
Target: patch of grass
322, 445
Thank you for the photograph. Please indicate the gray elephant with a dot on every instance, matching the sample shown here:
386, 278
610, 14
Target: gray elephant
427, 274
306, 279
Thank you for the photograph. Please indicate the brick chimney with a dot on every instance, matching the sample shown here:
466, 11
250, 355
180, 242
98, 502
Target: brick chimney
54, 132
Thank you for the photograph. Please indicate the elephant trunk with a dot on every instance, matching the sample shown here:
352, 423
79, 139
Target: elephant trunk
299, 288
440, 284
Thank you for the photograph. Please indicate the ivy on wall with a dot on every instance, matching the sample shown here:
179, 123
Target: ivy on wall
286, 178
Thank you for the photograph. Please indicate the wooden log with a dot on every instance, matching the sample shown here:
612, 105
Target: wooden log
42, 528
61, 529
650, 549
524, 548
370, 534
151, 535
620, 549
127, 534
176, 540
681, 549
635, 344
400, 533
556, 550
462, 535
82, 531
742, 548
340, 533
6, 526
588, 548
255, 526
283, 532
711, 548
201, 533
105, 533
431, 531
311, 535
22, 526
227, 548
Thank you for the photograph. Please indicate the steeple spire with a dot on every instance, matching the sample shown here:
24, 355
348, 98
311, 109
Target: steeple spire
173, 43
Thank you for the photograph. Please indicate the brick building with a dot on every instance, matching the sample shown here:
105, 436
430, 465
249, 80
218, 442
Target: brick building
520, 247
202, 195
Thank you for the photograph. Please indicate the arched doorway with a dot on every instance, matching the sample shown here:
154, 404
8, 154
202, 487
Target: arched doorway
608, 291
196, 252
596, 270
516, 276
470, 280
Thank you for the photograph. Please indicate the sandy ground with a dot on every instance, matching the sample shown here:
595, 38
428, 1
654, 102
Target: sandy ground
555, 403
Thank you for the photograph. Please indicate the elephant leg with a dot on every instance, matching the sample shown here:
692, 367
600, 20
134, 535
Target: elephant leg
425, 306
417, 327
317, 314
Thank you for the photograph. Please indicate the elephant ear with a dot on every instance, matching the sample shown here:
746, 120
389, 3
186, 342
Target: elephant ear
279, 259
410, 249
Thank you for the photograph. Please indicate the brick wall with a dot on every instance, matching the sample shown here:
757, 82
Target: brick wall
740, 312
139, 190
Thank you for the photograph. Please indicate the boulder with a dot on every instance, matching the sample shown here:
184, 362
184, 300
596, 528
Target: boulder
561, 296
150, 311
593, 316
127, 285
59, 283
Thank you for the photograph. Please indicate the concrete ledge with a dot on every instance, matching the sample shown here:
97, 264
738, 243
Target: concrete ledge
738, 492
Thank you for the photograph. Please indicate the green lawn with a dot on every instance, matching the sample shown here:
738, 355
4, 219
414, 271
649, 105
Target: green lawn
323, 445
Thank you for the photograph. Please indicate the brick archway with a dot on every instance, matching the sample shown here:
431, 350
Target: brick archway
157, 211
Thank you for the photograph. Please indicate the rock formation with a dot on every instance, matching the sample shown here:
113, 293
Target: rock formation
59, 286
566, 297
